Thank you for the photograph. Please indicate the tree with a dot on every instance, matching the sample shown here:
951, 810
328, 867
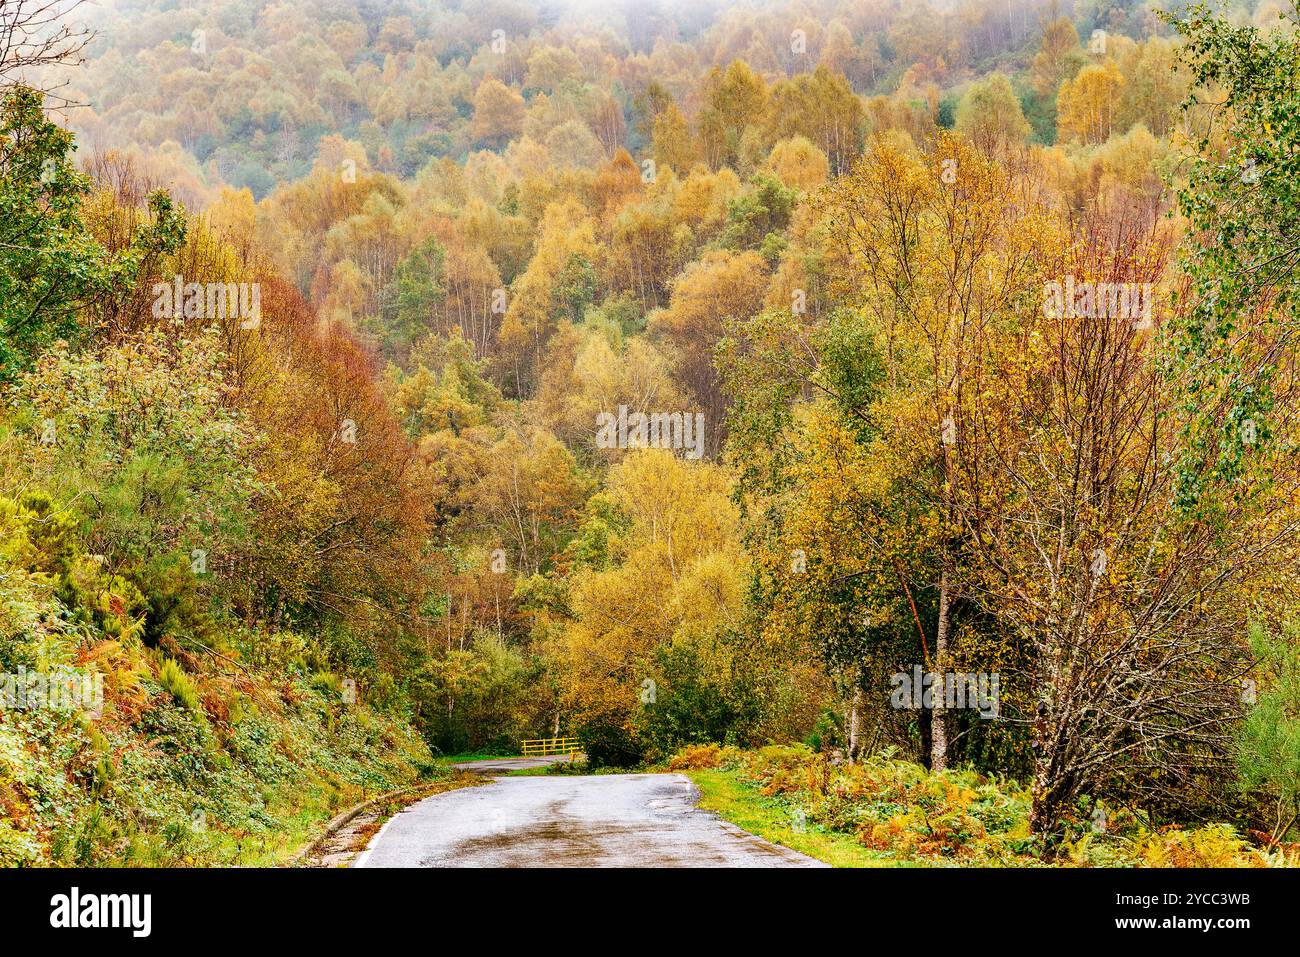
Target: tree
37, 34
418, 289
1063, 482
934, 258
51, 268
526, 489
1268, 743
446, 388
799, 164
141, 438
1088, 105
734, 99
536, 301
719, 287
989, 114
1154, 87
672, 578
674, 147
760, 213
593, 368
1059, 58
833, 543
822, 108
498, 113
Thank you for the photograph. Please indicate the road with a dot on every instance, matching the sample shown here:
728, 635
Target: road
497, 765
623, 820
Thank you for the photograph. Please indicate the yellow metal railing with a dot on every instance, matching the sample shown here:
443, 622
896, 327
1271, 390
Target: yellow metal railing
538, 747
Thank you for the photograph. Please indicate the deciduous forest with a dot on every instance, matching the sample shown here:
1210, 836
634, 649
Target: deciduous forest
884, 410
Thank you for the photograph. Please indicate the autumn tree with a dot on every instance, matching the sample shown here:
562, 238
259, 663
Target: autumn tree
719, 287
990, 116
822, 108
735, 99
498, 113
798, 163
663, 592
937, 259
1088, 105
1059, 58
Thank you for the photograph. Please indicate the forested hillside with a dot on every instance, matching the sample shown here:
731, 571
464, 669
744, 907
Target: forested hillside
387, 380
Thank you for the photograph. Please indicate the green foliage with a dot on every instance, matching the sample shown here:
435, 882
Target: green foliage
176, 683
1268, 742
694, 701
827, 733
759, 213
474, 698
575, 286
447, 388
419, 286
51, 268
852, 369
142, 439
1242, 190
990, 113
608, 742
148, 784
625, 312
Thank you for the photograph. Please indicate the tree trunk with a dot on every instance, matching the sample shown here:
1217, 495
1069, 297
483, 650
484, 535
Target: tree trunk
938, 730
1045, 809
854, 710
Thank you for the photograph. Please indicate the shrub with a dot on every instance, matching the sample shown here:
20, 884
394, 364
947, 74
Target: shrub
179, 686
327, 683
609, 743
1268, 741
696, 757
1217, 845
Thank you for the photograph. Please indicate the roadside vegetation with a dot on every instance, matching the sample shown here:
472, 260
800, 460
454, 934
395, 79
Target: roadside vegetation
883, 811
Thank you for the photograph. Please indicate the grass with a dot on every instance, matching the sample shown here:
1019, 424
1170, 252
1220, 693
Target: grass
734, 800
472, 756
561, 767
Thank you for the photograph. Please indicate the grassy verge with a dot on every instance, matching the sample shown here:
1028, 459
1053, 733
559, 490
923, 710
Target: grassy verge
449, 759
735, 800
565, 767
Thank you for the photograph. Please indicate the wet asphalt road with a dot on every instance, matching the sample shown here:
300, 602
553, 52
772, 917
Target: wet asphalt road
624, 820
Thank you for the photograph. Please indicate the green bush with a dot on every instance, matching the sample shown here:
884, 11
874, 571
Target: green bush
179, 686
610, 743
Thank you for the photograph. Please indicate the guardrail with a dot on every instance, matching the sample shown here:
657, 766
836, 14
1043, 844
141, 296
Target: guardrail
538, 747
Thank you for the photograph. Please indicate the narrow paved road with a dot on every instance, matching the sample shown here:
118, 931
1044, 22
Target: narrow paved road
498, 765
625, 820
